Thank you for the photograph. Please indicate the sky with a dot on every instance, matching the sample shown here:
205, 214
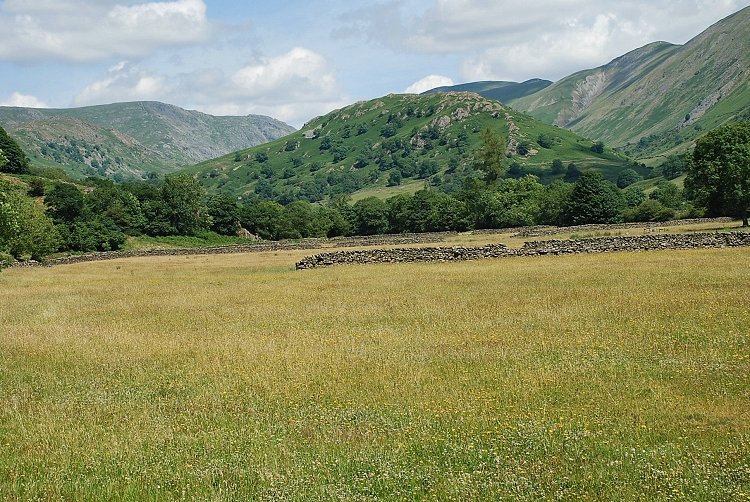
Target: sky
295, 60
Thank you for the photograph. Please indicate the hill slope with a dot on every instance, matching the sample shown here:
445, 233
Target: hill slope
133, 138
398, 141
658, 97
505, 92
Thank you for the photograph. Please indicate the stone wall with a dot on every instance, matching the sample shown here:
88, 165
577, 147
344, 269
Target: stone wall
404, 255
113, 255
543, 231
391, 239
258, 247
539, 248
361, 241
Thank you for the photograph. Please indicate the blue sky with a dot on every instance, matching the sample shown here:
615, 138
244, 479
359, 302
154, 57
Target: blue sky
294, 60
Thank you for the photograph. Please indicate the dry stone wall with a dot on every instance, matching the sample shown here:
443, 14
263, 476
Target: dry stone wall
543, 231
391, 239
544, 247
404, 255
259, 247
539, 248
113, 255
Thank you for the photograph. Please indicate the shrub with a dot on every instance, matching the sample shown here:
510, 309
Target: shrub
649, 210
627, 177
545, 141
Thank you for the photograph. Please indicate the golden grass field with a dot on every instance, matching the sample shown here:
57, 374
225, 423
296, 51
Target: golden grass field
234, 377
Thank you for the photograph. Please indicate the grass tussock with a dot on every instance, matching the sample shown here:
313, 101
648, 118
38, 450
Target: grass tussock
620, 376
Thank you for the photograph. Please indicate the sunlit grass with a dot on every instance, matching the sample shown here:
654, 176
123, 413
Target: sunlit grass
203, 239
621, 376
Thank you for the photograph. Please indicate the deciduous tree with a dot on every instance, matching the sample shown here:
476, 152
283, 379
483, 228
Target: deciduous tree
490, 156
719, 176
16, 160
594, 200
182, 197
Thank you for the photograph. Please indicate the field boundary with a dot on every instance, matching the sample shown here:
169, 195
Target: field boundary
257, 247
635, 243
357, 241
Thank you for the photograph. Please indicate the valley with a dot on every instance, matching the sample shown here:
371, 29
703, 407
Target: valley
491, 290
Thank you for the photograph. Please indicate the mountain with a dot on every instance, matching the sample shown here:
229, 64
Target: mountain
505, 92
658, 98
132, 139
396, 143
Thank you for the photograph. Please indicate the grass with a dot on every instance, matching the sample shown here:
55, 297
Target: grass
408, 188
203, 239
619, 376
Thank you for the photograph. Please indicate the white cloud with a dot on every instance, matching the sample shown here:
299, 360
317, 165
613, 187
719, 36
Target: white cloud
428, 83
123, 82
534, 38
581, 45
293, 87
300, 72
24, 100
91, 30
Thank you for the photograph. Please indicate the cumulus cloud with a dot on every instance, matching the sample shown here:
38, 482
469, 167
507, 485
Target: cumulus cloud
24, 100
123, 82
584, 43
429, 82
94, 30
301, 72
535, 38
294, 87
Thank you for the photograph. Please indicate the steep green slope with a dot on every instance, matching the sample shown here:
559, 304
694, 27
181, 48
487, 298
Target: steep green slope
505, 92
392, 141
84, 149
659, 97
144, 136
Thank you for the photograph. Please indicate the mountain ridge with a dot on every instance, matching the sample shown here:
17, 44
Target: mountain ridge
657, 89
170, 137
653, 100
502, 91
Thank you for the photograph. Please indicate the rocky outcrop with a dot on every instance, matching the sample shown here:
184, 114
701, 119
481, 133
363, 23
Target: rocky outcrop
537, 248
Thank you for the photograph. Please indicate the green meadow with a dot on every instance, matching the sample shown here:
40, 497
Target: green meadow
592, 377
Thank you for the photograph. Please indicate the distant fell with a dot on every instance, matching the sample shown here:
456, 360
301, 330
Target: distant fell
132, 139
505, 92
659, 98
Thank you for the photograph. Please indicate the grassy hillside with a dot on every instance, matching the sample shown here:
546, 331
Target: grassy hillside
658, 98
214, 377
83, 149
505, 92
423, 138
133, 138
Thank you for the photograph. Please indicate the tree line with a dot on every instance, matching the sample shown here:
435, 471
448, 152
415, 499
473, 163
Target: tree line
102, 215
64, 217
